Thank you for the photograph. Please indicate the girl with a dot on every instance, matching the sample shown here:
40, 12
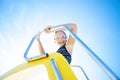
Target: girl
60, 37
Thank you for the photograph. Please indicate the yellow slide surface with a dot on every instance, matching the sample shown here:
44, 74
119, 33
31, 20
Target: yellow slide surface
41, 69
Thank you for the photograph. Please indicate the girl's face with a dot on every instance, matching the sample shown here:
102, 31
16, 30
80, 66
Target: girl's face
60, 38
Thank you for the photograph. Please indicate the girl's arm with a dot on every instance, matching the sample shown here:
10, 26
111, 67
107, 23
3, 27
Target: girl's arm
71, 40
41, 49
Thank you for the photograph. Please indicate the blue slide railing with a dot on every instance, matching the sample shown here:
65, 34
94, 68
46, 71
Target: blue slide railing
93, 55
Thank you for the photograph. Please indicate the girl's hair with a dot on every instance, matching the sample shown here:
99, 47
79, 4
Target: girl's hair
62, 32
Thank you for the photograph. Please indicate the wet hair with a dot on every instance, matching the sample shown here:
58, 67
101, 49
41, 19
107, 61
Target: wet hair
62, 32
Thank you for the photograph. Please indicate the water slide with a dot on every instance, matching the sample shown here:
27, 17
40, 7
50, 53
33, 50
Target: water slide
52, 66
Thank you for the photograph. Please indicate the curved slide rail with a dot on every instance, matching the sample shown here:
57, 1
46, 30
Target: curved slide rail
81, 70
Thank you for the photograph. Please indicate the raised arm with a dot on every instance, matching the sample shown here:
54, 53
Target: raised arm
41, 49
71, 40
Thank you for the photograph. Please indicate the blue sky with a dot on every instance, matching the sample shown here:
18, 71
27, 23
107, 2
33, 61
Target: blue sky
98, 24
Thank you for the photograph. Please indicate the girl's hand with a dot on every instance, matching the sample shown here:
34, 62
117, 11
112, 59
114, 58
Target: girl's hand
38, 37
48, 29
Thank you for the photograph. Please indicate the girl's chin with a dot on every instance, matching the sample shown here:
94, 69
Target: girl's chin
61, 43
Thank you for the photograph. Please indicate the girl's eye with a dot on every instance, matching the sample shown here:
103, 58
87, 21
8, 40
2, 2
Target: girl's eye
62, 37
